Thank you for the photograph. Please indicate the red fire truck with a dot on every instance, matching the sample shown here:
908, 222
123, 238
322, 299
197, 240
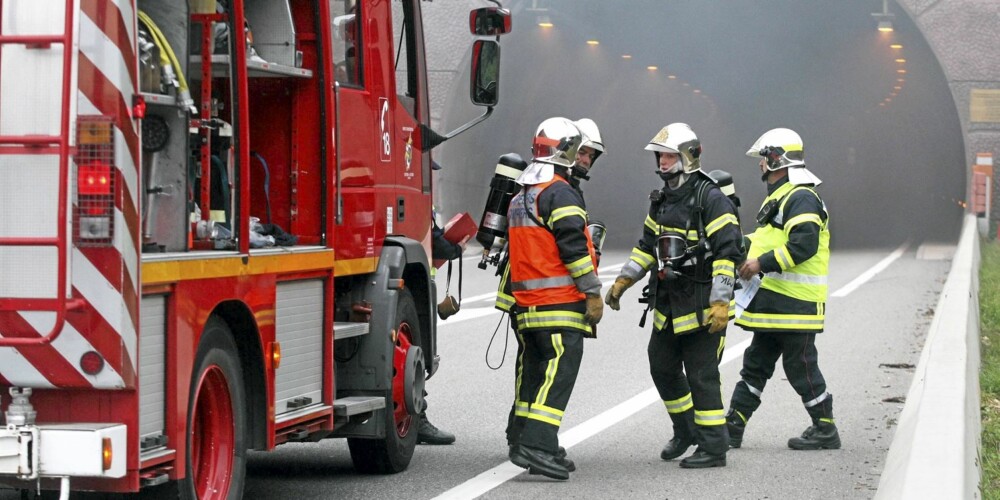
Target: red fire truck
215, 237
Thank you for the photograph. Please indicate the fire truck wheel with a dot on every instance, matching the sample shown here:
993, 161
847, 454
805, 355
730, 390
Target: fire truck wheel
216, 424
393, 453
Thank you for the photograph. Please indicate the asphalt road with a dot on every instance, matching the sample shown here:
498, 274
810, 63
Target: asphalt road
615, 425
880, 308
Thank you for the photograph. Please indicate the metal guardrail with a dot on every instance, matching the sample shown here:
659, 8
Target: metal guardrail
935, 451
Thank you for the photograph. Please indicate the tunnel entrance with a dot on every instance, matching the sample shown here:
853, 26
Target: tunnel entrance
874, 109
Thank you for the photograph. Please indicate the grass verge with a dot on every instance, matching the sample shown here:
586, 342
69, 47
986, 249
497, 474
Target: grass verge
989, 378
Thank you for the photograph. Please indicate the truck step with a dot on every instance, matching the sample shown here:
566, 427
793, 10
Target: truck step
348, 329
154, 480
353, 405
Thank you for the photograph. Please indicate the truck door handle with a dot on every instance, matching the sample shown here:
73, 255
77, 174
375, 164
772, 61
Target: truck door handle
401, 209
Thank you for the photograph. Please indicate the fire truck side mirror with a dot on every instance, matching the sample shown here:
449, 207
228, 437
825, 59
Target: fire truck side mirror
485, 73
489, 21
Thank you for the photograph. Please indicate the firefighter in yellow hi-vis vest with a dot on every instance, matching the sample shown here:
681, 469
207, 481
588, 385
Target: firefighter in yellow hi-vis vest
791, 249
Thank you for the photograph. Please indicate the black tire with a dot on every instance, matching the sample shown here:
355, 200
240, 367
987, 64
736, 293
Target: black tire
393, 453
216, 394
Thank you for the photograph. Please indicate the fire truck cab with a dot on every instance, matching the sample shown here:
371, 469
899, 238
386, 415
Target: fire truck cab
217, 219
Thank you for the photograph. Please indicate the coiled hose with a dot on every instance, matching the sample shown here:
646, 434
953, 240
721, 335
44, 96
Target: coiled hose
171, 65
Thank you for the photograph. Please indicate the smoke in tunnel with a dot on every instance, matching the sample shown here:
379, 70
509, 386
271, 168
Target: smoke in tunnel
892, 159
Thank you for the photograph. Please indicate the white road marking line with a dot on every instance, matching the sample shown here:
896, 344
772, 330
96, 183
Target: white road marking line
506, 471
871, 272
491, 296
465, 314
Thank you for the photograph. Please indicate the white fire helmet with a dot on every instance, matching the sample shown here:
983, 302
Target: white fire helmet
678, 138
783, 148
591, 136
556, 143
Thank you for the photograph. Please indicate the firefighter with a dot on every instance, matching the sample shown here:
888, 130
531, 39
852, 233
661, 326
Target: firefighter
692, 231
441, 248
790, 247
591, 148
556, 292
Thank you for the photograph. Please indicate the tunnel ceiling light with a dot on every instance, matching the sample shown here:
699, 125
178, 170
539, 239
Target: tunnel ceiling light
626, 56
898, 87
545, 22
697, 91
672, 77
901, 80
895, 46
900, 60
686, 84
652, 68
901, 71
593, 42
884, 18
881, 104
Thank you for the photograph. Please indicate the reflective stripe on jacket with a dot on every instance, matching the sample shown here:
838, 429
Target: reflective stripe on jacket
504, 298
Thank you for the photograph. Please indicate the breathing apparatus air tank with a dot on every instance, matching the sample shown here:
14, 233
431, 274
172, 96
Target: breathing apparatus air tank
493, 225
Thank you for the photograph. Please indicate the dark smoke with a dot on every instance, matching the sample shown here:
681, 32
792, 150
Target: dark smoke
890, 172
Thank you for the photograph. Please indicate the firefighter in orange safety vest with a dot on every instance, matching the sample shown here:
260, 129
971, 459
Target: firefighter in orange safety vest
557, 302
690, 243
586, 156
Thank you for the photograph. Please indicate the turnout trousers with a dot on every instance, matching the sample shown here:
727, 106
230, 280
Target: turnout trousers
548, 363
519, 408
685, 371
799, 360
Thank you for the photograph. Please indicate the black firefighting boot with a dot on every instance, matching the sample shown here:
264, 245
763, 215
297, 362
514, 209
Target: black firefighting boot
563, 460
683, 435
736, 423
821, 435
427, 433
702, 459
538, 461
561, 457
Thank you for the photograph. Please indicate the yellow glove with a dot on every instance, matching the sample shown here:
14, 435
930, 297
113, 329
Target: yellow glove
718, 316
595, 309
617, 289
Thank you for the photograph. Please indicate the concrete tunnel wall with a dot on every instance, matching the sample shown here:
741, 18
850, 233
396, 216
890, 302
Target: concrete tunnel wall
964, 36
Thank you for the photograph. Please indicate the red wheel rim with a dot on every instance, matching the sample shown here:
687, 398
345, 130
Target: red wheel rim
213, 437
403, 342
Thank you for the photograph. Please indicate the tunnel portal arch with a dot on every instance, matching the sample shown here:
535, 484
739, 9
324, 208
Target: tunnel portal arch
957, 32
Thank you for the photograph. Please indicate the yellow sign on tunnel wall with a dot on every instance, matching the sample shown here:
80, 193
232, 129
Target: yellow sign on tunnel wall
984, 105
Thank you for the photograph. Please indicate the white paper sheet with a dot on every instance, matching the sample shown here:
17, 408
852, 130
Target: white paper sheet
745, 294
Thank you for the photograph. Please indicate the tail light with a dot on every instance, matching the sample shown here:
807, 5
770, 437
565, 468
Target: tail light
94, 207
94, 179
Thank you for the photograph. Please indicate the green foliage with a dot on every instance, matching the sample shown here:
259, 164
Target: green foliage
989, 378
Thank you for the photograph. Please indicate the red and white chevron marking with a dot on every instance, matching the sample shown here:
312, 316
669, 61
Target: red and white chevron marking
105, 278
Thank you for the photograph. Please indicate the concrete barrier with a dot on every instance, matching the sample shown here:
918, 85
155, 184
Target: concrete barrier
935, 451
